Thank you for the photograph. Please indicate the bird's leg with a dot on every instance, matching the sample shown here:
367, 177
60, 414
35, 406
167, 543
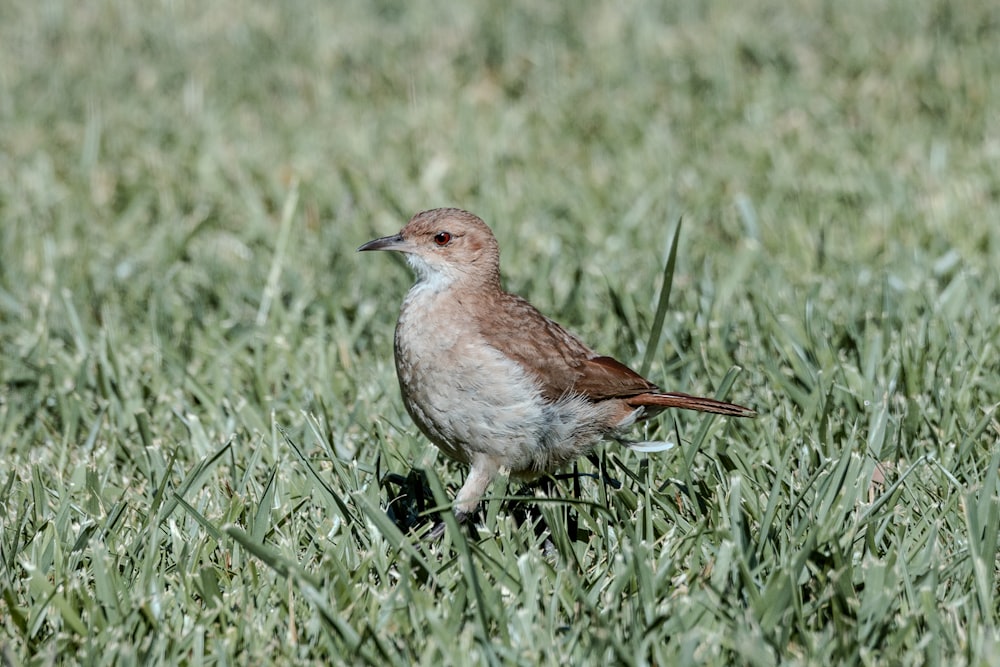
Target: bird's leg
481, 473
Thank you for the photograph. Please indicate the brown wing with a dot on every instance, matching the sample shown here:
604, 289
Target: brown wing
560, 361
563, 364
605, 377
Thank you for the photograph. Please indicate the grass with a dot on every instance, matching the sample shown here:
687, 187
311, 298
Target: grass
197, 400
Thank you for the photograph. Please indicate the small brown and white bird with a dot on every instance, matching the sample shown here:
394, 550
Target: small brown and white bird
493, 382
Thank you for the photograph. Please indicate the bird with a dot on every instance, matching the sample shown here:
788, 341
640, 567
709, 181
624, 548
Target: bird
494, 383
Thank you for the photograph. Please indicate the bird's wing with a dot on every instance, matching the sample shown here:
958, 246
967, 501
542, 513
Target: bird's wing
561, 362
605, 377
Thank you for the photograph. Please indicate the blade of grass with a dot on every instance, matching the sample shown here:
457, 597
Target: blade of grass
303, 582
708, 420
280, 249
667, 281
332, 495
485, 613
393, 535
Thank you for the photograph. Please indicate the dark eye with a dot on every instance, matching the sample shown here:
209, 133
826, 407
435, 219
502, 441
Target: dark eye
442, 238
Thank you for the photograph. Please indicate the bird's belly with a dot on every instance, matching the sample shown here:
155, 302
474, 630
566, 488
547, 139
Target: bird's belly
473, 401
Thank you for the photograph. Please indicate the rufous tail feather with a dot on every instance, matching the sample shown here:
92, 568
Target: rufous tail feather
687, 402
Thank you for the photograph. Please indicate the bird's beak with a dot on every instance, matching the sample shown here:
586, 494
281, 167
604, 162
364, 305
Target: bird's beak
394, 242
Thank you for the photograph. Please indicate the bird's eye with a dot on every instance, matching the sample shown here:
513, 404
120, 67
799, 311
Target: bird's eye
442, 238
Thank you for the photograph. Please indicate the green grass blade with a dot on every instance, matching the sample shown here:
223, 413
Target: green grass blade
666, 282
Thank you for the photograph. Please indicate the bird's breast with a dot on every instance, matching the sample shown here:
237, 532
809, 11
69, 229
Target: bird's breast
463, 394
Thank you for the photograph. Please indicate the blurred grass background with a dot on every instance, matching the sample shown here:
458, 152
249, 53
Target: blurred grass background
197, 399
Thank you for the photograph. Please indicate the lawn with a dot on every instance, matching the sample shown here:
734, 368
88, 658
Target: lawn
199, 416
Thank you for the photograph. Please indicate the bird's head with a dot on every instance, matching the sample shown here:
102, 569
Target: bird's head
446, 246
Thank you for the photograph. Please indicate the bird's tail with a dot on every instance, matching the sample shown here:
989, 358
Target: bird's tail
687, 402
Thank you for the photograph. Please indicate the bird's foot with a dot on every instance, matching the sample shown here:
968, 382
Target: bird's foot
466, 519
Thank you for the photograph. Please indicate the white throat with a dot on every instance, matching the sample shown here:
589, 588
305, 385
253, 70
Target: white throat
429, 277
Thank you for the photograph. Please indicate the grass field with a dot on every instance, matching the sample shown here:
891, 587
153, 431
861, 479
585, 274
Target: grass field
197, 397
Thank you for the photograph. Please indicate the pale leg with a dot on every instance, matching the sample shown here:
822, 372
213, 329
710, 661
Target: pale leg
480, 475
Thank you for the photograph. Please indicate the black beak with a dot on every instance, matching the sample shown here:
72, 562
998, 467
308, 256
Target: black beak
394, 242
